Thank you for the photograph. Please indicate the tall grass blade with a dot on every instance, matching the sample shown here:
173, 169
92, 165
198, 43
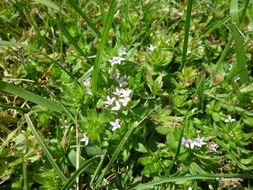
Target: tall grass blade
9, 138
121, 145
13, 89
78, 172
89, 22
230, 39
51, 5
151, 185
44, 148
101, 47
12, 44
70, 38
115, 154
239, 47
186, 32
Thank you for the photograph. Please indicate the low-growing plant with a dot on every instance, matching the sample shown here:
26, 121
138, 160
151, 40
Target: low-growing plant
126, 94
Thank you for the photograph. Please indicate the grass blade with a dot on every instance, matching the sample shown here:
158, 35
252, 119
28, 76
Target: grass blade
186, 32
115, 154
51, 5
89, 22
78, 172
187, 178
12, 44
70, 38
239, 47
44, 148
120, 147
230, 39
101, 47
13, 89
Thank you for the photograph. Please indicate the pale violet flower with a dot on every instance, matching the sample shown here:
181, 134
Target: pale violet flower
122, 52
124, 101
87, 82
191, 143
151, 48
117, 92
121, 81
117, 106
85, 139
199, 141
116, 60
88, 91
187, 143
229, 120
116, 124
64, 124
109, 101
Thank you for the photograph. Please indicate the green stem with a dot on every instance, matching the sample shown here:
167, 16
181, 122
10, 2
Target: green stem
186, 32
24, 170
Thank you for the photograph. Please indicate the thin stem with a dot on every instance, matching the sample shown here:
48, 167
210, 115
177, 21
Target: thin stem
77, 150
24, 170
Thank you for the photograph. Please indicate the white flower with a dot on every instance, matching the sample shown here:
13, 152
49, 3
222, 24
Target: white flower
124, 101
151, 48
122, 52
85, 139
236, 79
117, 92
117, 106
199, 141
115, 124
116, 60
88, 91
64, 124
125, 93
109, 101
212, 147
190, 143
229, 119
190, 188
87, 82
187, 143
230, 67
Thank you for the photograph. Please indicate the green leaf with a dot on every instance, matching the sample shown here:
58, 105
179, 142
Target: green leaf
186, 32
242, 68
101, 46
51, 5
13, 89
89, 22
152, 185
163, 130
84, 166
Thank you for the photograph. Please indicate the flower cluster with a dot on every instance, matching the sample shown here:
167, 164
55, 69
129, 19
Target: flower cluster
121, 99
191, 143
120, 96
116, 60
229, 119
87, 84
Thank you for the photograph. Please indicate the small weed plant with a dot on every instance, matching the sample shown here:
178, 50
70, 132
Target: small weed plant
150, 94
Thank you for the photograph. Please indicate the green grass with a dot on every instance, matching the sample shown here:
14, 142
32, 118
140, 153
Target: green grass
126, 94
